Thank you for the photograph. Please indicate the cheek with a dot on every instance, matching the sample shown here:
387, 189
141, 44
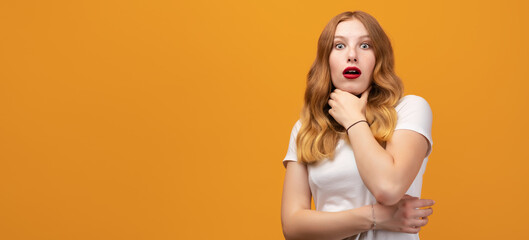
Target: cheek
334, 68
333, 62
370, 62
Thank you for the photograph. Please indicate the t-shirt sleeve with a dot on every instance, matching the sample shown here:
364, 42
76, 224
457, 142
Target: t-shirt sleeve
291, 152
414, 113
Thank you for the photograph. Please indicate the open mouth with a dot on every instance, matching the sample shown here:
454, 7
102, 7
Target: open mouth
351, 72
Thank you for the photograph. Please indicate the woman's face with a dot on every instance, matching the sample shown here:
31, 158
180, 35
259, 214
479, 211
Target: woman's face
351, 49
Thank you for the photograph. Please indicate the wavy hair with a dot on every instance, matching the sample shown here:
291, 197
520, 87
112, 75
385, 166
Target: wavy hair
319, 133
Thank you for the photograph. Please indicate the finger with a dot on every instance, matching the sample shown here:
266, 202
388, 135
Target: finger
331, 112
421, 213
411, 229
331, 103
333, 95
419, 203
419, 222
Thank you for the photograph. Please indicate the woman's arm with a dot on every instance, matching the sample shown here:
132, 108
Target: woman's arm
387, 173
300, 222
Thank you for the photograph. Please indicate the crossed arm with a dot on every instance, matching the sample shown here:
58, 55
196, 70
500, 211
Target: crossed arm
299, 221
388, 173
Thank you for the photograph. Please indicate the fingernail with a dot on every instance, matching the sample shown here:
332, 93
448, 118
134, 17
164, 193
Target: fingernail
433, 201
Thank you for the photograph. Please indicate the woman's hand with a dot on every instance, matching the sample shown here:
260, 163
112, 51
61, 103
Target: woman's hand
405, 216
347, 108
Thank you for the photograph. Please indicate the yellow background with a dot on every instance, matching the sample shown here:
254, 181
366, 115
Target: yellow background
170, 120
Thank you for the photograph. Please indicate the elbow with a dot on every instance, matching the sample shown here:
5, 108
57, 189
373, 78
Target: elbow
290, 230
388, 195
286, 231
288, 234
387, 200
287, 228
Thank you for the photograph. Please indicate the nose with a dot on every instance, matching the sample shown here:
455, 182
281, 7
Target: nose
351, 56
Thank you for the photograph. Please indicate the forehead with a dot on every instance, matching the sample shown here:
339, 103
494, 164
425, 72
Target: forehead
351, 29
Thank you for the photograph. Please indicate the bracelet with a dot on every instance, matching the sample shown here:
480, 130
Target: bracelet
373, 213
347, 130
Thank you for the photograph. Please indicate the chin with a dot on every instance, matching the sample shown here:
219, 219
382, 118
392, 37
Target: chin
352, 90
355, 92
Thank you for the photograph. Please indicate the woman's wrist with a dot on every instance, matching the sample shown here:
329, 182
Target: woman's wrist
382, 215
352, 119
366, 217
347, 127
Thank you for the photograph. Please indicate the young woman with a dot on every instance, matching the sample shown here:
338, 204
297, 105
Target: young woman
360, 147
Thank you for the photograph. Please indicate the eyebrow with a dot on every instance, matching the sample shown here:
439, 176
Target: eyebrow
363, 36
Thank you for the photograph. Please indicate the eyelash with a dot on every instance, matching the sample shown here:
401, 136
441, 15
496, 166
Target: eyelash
368, 45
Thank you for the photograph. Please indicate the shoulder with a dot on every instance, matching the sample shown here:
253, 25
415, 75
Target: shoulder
298, 123
413, 108
413, 99
414, 113
296, 127
413, 103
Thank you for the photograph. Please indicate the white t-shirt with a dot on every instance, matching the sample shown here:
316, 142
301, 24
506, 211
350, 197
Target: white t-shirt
336, 184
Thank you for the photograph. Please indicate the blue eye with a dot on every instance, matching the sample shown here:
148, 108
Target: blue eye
364, 45
340, 44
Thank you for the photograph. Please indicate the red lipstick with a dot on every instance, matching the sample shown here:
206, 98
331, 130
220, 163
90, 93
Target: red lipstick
351, 72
